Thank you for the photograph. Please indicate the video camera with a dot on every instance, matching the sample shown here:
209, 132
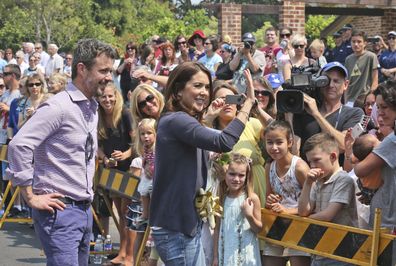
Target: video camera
307, 80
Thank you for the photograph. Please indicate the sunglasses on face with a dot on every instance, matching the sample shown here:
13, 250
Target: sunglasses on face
143, 103
7, 73
298, 46
2, 86
180, 43
31, 85
129, 48
391, 37
283, 35
262, 93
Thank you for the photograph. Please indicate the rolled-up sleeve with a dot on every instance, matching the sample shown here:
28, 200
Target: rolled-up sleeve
35, 131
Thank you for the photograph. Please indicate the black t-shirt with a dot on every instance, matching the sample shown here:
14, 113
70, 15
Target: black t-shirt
119, 139
305, 125
224, 72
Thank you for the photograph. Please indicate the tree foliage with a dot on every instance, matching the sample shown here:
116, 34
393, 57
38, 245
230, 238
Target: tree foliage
315, 24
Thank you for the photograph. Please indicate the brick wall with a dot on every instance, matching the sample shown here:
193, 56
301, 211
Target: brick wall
292, 15
230, 21
376, 25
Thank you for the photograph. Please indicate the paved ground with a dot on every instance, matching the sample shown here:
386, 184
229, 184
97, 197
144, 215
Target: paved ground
19, 245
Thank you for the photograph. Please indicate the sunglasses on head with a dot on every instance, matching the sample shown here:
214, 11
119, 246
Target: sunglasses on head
142, 104
89, 148
37, 84
296, 46
283, 35
262, 93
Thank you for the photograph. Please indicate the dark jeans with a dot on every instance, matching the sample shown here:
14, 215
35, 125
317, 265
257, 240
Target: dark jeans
65, 235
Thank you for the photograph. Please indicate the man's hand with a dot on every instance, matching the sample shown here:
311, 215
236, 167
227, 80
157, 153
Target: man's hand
47, 202
310, 105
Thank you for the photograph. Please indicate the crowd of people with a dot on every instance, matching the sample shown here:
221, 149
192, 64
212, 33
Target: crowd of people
200, 116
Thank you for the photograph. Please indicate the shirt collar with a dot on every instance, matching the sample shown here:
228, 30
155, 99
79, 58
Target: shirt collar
77, 96
333, 177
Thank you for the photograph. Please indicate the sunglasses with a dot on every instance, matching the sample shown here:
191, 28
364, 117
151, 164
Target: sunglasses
298, 46
31, 85
262, 93
129, 48
143, 103
2, 86
283, 35
391, 37
89, 150
7, 73
179, 43
207, 43
222, 51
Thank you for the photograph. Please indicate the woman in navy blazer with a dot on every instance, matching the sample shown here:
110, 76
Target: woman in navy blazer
181, 160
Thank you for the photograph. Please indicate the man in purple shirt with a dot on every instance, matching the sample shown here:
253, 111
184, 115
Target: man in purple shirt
61, 138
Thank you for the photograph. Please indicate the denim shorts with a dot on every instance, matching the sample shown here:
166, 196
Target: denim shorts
175, 248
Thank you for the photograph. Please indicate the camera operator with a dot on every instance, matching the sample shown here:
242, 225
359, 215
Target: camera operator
331, 116
247, 57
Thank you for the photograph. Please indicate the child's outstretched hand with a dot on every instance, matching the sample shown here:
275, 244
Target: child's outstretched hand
314, 174
247, 207
277, 207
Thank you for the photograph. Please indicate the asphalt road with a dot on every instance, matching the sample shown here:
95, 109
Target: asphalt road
19, 245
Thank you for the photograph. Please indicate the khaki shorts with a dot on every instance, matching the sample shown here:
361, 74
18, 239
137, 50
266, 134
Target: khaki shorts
279, 251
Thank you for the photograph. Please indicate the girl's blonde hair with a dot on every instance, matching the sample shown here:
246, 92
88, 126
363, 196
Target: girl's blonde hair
237, 158
317, 45
137, 115
146, 123
116, 115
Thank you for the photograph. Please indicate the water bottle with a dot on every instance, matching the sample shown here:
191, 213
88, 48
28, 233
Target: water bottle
98, 248
108, 245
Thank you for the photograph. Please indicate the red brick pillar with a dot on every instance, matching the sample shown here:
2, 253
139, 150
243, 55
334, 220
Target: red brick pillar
230, 21
388, 22
292, 15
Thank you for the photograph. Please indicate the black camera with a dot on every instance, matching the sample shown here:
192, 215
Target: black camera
303, 80
191, 50
247, 45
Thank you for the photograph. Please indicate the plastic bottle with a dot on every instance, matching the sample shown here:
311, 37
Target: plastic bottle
98, 248
108, 245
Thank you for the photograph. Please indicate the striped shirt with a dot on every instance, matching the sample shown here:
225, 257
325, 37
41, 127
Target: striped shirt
56, 137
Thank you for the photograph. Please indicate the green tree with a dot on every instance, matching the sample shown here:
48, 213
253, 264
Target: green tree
315, 24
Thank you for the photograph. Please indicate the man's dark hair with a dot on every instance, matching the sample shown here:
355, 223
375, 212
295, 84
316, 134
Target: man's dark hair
14, 69
86, 52
359, 33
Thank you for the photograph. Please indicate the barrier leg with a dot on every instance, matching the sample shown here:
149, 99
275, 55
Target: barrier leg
7, 210
109, 206
376, 237
97, 221
142, 246
7, 190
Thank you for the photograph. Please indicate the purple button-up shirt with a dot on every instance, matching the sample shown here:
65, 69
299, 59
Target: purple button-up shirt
55, 136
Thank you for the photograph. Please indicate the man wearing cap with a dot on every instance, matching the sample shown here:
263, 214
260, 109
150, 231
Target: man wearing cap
331, 116
387, 58
247, 57
362, 67
338, 50
346, 38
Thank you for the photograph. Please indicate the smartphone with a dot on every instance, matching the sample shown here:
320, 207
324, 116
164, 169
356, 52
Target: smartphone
235, 99
357, 130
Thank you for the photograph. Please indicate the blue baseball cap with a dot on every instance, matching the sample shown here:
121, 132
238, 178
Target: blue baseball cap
333, 65
275, 80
